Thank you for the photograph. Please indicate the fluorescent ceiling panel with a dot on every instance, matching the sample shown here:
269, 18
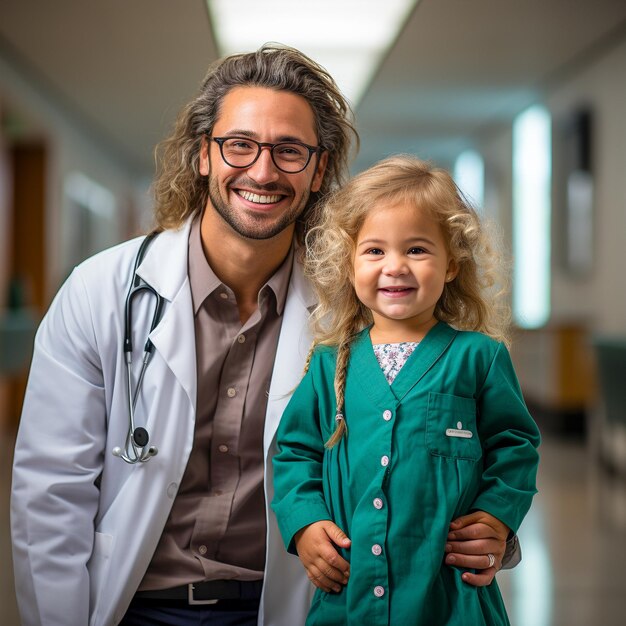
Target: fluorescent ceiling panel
348, 38
532, 182
469, 175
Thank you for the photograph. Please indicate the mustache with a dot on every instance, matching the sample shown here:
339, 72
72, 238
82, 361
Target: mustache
251, 185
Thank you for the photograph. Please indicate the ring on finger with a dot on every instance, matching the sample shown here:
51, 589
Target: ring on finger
492, 559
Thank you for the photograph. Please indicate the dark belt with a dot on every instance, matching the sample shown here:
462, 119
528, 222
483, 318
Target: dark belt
208, 591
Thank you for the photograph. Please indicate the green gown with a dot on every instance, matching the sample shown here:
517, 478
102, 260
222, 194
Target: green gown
450, 435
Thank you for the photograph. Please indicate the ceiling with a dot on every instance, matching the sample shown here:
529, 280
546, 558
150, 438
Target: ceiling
459, 68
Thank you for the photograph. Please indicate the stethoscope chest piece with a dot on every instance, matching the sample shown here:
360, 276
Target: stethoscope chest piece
141, 437
135, 448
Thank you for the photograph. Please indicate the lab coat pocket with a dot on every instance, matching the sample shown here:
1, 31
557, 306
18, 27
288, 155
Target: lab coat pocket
98, 567
451, 427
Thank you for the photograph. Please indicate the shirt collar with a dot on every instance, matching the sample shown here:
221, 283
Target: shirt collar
204, 282
202, 279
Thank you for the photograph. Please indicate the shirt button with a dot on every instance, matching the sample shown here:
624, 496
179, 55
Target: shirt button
387, 415
379, 591
222, 447
241, 338
384, 460
231, 392
378, 503
202, 549
224, 295
172, 488
377, 550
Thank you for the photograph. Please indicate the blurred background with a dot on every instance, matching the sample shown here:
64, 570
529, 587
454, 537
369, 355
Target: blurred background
524, 101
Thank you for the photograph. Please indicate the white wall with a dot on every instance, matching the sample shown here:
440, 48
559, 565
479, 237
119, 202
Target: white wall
595, 303
599, 299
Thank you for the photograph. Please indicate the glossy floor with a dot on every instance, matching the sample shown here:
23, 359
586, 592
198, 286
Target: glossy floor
574, 544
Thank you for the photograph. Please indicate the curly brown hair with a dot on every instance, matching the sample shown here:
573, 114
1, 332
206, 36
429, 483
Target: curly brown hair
179, 188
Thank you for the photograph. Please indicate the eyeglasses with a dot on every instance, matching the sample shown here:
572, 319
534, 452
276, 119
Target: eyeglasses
288, 156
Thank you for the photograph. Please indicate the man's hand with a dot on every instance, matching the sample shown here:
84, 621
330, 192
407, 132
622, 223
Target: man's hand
470, 540
325, 567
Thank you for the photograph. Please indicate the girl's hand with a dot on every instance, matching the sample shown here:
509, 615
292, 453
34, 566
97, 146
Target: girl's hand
470, 540
324, 566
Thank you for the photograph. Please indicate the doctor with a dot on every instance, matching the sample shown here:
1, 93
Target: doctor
166, 521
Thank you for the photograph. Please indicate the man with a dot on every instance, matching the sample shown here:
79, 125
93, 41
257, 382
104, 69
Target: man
105, 529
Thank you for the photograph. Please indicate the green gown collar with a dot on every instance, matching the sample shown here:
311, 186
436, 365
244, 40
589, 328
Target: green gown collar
365, 366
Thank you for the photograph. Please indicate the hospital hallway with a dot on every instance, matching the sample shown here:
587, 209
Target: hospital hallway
573, 571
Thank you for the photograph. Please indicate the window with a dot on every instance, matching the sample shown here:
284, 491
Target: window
532, 171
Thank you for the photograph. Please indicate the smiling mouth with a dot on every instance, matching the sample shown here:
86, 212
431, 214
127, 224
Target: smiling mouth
258, 198
396, 291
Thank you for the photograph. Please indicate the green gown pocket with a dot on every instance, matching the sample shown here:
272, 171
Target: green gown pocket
451, 427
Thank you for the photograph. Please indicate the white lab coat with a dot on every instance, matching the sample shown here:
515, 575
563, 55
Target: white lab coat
80, 551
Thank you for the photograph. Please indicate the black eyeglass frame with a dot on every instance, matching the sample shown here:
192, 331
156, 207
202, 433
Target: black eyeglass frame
265, 144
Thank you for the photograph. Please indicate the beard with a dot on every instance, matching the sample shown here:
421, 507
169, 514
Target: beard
257, 226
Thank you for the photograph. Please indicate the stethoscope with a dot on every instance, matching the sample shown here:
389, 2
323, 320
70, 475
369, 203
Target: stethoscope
136, 447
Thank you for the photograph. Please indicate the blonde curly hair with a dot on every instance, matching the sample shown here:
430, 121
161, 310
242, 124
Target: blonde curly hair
474, 300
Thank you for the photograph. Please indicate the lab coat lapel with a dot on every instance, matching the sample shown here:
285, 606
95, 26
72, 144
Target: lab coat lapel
165, 269
285, 602
293, 346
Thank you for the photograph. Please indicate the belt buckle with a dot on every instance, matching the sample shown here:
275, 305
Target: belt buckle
191, 599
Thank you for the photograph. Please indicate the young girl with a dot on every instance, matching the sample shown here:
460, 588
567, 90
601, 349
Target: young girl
409, 414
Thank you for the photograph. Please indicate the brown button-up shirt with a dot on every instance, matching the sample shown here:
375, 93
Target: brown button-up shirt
216, 529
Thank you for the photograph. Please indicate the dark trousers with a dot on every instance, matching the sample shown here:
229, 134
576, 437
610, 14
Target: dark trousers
143, 612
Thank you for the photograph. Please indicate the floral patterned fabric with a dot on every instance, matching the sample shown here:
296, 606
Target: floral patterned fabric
392, 356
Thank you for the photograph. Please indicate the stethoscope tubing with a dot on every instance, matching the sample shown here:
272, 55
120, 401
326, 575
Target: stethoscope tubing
136, 448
